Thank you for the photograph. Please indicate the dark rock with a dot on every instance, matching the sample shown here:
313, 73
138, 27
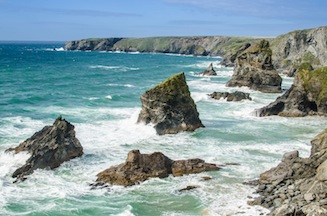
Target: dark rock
234, 96
140, 167
307, 96
170, 107
255, 70
209, 71
183, 167
49, 148
206, 178
191, 187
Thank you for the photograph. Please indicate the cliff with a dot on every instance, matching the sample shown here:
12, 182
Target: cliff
296, 47
207, 45
288, 50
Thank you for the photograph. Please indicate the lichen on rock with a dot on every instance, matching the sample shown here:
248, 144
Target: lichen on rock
170, 107
307, 96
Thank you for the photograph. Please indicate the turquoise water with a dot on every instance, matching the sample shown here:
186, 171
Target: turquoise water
99, 93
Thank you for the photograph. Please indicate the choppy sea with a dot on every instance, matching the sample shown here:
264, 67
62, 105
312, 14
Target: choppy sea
99, 93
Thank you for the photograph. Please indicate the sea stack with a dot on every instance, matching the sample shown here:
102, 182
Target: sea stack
255, 69
170, 107
140, 167
307, 96
49, 148
209, 71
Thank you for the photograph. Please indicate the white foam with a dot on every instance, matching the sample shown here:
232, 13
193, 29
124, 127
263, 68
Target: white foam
109, 97
114, 68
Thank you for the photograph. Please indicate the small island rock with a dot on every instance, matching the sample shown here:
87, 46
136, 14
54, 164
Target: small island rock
255, 70
234, 96
49, 148
140, 167
209, 71
170, 107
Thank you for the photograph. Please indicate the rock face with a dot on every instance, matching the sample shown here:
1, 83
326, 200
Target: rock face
169, 107
307, 96
209, 71
297, 186
255, 70
294, 48
49, 147
234, 96
230, 57
105, 44
140, 167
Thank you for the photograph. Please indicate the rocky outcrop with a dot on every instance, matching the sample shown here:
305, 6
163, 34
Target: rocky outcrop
209, 71
255, 70
295, 69
105, 44
140, 167
170, 107
292, 49
234, 96
307, 96
49, 148
297, 186
229, 58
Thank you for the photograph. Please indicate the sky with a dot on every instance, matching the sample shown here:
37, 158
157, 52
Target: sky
64, 20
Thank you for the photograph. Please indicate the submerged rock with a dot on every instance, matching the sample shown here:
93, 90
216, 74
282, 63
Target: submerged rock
49, 148
255, 70
209, 71
234, 96
140, 167
297, 186
307, 96
170, 107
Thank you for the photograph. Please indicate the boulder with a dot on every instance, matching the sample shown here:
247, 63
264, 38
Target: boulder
170, 107
140, 167
49, 148
209, 71
297, 186
255, 70
307, 96
234, 96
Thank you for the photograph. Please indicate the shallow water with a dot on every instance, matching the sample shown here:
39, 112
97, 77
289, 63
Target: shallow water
99, 93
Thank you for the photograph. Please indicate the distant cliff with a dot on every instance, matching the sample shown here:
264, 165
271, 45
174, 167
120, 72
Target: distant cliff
210, 45
288, 50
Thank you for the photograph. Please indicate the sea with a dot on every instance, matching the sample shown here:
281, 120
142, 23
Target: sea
99, 93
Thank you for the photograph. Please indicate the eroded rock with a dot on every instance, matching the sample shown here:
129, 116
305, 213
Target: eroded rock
170, 107
49, 148
234, 96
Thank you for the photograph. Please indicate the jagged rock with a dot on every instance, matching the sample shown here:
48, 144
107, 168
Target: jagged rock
234, 96
300, 46
230, 57
190, 187
209, 71
49, 147
140, 167
307, 96
297, 186
170, 107
255, 70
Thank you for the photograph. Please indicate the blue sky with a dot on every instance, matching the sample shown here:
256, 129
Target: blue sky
62, 20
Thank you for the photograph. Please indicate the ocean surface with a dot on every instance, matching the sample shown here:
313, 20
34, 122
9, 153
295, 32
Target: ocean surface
99, 93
